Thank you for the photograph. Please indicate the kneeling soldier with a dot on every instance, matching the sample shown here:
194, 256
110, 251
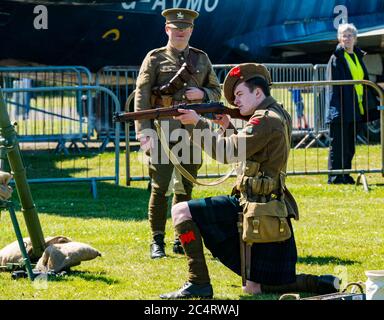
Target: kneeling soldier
267, 137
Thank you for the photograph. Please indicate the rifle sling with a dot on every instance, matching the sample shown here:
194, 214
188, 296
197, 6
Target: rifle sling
180, 168
192, 64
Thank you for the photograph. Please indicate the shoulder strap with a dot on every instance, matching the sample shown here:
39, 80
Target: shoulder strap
185, 173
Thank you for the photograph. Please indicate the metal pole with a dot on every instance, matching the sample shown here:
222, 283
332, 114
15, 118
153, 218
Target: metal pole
381, 108
127, 146
16, 227
29, 210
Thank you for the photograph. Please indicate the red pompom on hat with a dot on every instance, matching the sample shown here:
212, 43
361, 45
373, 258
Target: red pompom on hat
235, 72
241, 73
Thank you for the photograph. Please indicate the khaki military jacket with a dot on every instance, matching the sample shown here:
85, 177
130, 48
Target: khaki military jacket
266, 138
160, 66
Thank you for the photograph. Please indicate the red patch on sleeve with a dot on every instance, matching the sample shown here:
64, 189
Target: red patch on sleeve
255, 121
187, 237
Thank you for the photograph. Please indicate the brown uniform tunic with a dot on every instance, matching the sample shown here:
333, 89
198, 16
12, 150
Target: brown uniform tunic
160, 66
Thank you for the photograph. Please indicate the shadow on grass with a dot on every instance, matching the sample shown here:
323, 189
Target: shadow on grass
260, 297
325, 260
76, 200
85, 275
69, 199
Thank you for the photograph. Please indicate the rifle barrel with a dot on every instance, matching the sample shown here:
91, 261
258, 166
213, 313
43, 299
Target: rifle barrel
169, 112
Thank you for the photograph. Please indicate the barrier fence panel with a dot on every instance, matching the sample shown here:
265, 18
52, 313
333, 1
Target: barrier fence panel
47, 115
298, 102
305, 102
46, 166
319, 98
121, 80
369, 157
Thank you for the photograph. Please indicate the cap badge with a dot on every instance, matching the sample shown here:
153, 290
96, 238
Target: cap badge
180, 15
235, 72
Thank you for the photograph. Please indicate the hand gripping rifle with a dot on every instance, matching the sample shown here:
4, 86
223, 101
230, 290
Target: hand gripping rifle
208, 109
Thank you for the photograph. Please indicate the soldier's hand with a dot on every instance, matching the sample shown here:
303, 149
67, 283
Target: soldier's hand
146, 143
5, 177
223, 120
187, 116
5, 190
193, 93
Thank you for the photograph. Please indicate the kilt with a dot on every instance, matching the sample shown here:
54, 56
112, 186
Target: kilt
216, 218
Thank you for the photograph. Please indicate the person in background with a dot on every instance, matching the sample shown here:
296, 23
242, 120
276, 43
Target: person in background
345, 104
297, 99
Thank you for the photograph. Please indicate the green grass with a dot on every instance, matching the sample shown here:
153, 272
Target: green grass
341, 231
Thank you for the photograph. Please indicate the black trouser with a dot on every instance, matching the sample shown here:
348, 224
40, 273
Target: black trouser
342, 147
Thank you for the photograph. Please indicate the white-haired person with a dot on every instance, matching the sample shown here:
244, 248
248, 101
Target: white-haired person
346, 104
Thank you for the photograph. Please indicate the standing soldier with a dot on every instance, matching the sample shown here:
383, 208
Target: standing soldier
174, 74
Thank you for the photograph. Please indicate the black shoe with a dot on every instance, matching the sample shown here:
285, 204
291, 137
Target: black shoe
177, 247
349, 180
157, 247
335, 180
328, 284
190, 290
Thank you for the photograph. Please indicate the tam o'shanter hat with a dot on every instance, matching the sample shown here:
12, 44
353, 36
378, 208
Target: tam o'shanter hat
243, 72
179, 17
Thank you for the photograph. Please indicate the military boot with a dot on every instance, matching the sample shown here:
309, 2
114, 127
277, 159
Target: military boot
157, 247
177, 247
198, 284
306, 283
190, 290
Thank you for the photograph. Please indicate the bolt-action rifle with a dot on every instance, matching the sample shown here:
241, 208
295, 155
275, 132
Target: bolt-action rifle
208, 109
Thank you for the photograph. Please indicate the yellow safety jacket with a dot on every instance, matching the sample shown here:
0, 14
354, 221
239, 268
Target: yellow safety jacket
357, 74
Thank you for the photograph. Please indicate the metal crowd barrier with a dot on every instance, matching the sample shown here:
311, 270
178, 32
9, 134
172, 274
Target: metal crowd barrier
64, 118
303, 161
28, 107
70, 128
293, 100
122, 81
306, 162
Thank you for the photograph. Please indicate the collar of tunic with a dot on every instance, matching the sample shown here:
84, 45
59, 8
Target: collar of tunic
176, 53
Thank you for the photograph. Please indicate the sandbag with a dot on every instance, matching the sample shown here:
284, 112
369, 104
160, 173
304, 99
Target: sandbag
62, 256
12, 254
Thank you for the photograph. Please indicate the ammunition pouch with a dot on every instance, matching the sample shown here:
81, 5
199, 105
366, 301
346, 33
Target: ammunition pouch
249, 169
259, 185
264, 209
179, 81
255, 186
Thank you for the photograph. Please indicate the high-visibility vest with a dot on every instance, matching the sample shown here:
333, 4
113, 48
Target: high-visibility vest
357, 74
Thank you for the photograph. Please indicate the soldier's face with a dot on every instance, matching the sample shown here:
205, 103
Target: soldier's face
247, 100
179, 37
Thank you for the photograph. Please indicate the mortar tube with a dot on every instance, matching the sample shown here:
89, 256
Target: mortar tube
7, 131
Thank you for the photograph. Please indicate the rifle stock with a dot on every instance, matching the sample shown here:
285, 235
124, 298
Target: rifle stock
209, 108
